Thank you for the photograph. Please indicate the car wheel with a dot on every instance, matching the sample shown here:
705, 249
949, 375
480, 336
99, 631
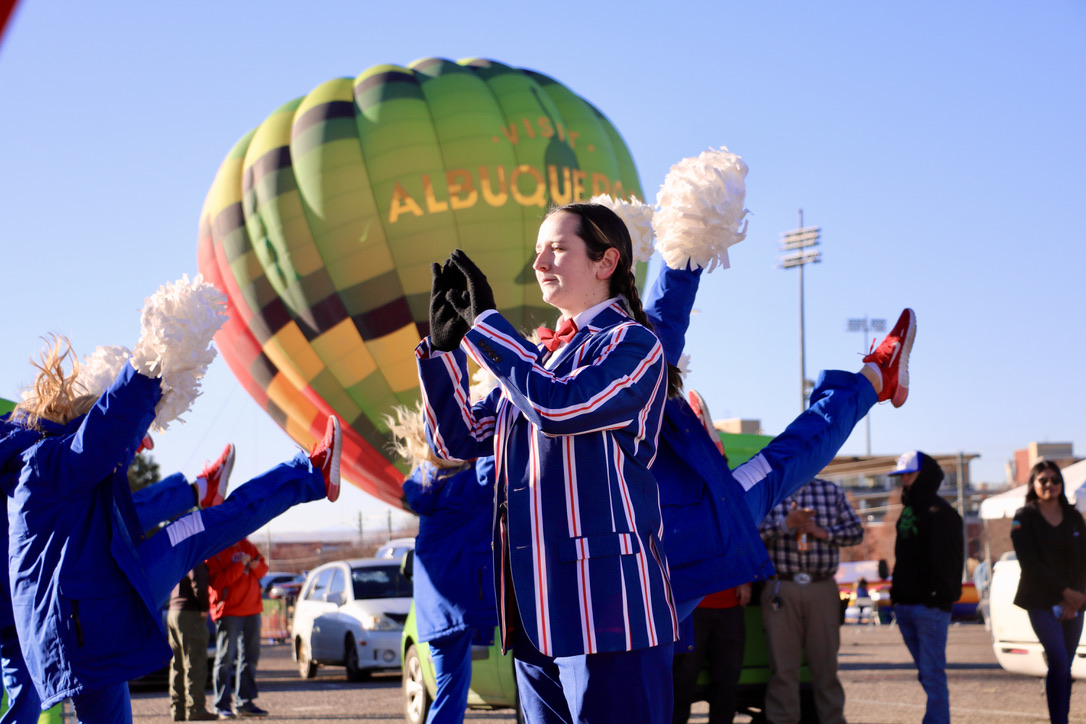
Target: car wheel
416, 699
307, 667
350, 657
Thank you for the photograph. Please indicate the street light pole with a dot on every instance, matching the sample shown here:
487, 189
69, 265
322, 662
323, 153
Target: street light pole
866, 325
797, 251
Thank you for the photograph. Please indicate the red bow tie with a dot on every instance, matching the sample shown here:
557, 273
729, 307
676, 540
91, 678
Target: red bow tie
553, 340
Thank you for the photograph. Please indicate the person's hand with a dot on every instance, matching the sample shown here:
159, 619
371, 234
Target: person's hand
799, 520
743, 593
1073, 599
447, 325
1067, 613
479, 296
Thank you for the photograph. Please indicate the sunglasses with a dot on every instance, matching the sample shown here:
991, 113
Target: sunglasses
1049, 481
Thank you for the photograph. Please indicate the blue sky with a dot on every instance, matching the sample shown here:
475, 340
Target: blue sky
937, 145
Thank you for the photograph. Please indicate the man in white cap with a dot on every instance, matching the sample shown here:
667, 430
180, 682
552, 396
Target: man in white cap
927, 577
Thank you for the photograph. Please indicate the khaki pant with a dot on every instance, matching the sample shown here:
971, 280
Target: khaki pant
188, 670
807, 620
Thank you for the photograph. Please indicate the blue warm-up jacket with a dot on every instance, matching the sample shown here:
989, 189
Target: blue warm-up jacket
452, 576
83, 608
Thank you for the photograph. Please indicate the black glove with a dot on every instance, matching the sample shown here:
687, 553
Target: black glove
447, 326
478, 297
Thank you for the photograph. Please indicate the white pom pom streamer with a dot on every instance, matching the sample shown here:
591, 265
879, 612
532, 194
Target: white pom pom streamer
701, 210
101, 367
177, 325
638, 219
684, 366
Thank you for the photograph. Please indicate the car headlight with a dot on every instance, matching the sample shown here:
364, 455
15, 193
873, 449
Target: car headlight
379, 622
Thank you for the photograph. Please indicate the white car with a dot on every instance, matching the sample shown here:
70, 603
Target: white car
351, 613
395, 549
1016, 647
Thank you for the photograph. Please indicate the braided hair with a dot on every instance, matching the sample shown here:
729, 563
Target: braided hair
601, 229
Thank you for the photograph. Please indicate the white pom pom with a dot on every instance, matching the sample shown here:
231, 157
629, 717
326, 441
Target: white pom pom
177, 325
638, 219
683, 365
101, 367
701, 210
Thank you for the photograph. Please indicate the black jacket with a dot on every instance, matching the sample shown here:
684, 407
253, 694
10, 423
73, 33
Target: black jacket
1051, 559
928, 551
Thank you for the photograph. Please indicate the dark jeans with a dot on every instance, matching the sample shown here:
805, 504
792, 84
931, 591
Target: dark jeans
238, 640
719, 637
924, 630
1059, 639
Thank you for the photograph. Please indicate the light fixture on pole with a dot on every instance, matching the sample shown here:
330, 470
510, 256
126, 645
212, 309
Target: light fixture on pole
866, 325
797, 251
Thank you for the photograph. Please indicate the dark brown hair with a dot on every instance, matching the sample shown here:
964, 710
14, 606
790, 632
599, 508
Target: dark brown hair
1039, 467
601, 229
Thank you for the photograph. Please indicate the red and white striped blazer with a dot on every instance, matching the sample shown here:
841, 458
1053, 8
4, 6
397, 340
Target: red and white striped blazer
579, 510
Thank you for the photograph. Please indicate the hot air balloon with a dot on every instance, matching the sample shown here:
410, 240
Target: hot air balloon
322, 222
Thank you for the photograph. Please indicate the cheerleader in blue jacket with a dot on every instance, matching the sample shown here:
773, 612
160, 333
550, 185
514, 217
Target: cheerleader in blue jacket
87, 585
581, 573
154, 504
451, 574
713, 544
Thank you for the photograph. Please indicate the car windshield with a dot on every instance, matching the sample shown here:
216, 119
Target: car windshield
380, 582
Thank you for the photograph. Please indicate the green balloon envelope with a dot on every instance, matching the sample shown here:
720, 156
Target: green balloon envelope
322, 222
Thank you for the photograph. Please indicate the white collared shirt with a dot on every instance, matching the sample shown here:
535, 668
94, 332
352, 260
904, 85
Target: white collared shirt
581, 320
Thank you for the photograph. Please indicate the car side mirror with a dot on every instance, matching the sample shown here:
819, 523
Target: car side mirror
337, 598
407, 566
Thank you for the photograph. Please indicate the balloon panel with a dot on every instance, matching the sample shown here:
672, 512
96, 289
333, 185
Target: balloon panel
322, 223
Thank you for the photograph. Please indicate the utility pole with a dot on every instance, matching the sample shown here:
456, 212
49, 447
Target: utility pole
797, 248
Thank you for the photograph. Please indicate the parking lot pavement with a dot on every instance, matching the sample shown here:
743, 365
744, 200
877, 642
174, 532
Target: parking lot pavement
877, 672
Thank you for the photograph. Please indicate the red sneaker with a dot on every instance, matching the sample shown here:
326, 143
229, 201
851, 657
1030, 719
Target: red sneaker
325, 457
892, 359
697, 404
217, 475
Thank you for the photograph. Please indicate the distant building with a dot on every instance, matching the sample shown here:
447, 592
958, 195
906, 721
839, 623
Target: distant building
1061, 453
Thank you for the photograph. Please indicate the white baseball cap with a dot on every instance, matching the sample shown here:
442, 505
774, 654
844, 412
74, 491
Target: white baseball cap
908, 463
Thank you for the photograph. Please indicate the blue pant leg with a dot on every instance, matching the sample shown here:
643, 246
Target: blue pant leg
249, 657
227, 636
165, 500
539, 685
636, 683
171, 553
109, 705
24, 706
1054, 638
928, 632
808, 444
452, 671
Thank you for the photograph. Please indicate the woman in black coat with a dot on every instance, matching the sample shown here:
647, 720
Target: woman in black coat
1049, 538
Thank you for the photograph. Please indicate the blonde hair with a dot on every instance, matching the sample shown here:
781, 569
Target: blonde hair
409, 439
56, 395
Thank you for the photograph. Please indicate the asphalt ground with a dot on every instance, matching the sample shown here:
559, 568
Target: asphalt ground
877, 672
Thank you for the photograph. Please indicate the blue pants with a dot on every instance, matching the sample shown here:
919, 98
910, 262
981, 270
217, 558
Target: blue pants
452, 672
24, 706
1059, 640
109, 704
924, 630
633, 686
237, 642
839, 401
176, 549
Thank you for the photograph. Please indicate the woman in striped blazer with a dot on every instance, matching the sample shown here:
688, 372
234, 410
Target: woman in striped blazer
581, 576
